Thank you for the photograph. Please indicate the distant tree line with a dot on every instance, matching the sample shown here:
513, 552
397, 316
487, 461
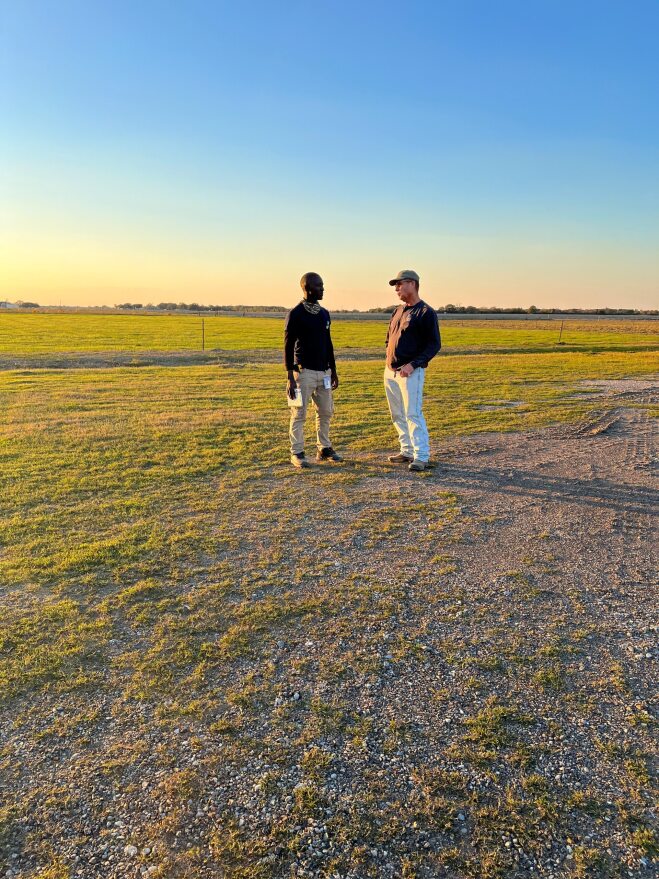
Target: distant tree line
388, 309
196, 306
532, 309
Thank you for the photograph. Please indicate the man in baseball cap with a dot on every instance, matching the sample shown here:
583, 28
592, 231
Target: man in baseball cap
405, 275
412, 341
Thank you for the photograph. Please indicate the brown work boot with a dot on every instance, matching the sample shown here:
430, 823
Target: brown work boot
400, 458
417, 466
299, 460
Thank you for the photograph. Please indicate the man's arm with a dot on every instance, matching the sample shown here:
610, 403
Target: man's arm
391, 320
430, 329
290, 337
330, 358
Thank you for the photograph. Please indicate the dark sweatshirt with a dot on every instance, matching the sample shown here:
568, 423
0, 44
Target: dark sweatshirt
307, 340
413, 336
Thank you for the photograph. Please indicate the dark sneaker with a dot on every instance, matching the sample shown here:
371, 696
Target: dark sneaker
418, 466
328, 455
400, 458
299, 460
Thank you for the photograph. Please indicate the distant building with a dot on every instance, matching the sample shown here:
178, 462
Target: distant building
6, 305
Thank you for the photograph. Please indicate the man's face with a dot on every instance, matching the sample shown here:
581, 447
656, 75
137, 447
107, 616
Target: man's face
314, 288
405, 290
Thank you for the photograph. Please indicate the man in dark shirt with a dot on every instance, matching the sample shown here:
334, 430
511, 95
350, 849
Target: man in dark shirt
412, 341
309, 358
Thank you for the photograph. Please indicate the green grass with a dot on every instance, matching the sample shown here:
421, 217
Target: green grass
46, 333
114, 471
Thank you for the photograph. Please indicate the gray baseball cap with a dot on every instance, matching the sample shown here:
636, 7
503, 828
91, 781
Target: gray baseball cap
404, 275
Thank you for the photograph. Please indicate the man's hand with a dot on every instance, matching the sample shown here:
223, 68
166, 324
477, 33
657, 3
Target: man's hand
406, 371
335, 381
292, 385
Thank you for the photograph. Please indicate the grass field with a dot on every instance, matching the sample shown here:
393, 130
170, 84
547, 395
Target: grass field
150, 564
25, 334
101, 466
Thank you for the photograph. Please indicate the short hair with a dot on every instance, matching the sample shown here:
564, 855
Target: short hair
306, 276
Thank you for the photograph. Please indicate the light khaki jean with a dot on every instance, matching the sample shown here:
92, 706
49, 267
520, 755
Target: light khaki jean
405, 399
310, 383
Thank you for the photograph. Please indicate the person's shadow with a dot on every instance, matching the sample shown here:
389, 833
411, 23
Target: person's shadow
589, 492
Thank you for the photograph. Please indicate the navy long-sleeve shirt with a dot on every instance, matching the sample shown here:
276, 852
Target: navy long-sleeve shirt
413, 336
307, 340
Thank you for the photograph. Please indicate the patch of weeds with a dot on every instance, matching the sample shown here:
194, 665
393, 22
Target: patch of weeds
307, 800
460, 752
358, 730
489, 663
236, 643
409, 867
637, 766
617, 678
475, 684
182, 785
224, 727
586, 802
238, 853
330, 716
269, 784
436, 782
534, 782
493, 865
315, 762
489, 728
589, 863
333, 669
634, 761
550, 651
550, 678
398, 732
522, 756
641, 717
248, 697
545, 808
517, 576
646, 840
8, 824
406, 648
56, 870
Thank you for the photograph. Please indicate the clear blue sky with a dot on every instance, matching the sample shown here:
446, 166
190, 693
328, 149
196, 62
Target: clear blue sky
216, 151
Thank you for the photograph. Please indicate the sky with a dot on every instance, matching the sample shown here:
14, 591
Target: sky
215, 151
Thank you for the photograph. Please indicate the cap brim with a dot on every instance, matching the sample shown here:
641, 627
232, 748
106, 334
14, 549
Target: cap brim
395, 281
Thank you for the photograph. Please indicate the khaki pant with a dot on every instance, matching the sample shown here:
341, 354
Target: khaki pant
310, 383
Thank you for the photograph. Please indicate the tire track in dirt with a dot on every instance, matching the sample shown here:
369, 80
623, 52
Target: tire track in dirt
636, 526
